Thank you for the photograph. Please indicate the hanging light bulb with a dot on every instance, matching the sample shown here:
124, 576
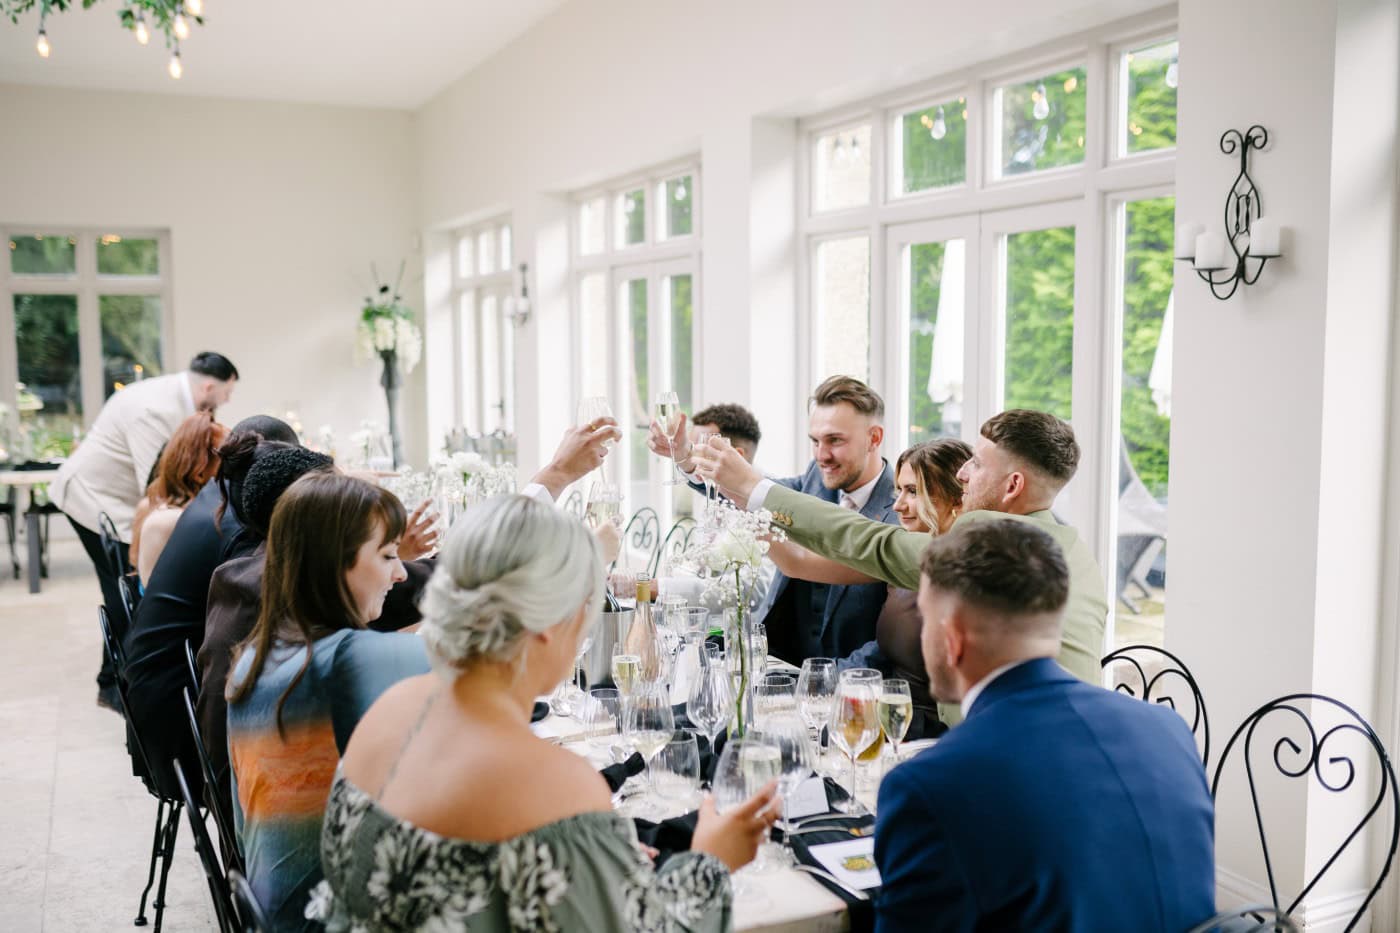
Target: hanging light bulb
1041, 110
680, 192
42, 45
838, 151
939, 128
195, 7
182, 26
1171, 78
176, 69
143, 34
855, 148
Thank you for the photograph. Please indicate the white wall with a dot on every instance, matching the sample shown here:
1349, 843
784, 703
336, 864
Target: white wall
275, 211
603, 88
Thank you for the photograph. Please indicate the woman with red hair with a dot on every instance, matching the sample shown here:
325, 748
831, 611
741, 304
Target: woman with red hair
188, 461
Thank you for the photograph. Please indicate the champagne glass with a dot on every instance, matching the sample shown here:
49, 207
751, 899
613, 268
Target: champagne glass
702, 439
711, 702
855, 721
648, 723
787, 732
758, 648
816, 685
604, 505
591, 409
668, 418
626, 673
896, 709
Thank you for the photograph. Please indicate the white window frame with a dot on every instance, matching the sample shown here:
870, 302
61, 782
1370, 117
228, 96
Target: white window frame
983, 208
88, 286
654, 259
477, 407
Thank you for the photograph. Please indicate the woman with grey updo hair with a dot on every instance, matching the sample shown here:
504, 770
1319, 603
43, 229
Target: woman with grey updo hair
510, 566
484, 826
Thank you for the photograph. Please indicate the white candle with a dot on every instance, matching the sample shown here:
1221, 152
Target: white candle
1264, 238
1211, 252
1186, 240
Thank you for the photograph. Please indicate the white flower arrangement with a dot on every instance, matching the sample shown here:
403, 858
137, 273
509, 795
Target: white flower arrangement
387, 326
468, 477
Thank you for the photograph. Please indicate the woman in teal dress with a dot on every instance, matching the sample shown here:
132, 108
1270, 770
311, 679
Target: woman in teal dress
449, 814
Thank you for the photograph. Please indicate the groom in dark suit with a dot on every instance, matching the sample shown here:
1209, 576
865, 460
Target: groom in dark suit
1056, 805
846, 428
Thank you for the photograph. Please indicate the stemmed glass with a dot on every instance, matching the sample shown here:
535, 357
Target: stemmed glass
711, 702
591, 409
745, 767
786, 732
816, 685
702, 439
668, 418
855, 721
774, 695
648, 723
604, 504
896, 709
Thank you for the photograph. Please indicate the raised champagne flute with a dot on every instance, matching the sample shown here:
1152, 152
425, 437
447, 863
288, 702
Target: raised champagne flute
896, 710
855, 721
702, 439
591, 409
668, 417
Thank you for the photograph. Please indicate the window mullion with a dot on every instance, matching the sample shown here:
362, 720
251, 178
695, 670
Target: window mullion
90, 367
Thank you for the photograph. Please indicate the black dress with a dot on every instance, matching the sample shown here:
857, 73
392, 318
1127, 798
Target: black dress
897, 632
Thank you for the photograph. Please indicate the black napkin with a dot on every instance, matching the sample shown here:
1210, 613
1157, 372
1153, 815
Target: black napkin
540, 711
617, 775
669, 836
862, 913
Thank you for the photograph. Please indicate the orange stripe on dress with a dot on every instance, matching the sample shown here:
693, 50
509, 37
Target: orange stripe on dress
284, 779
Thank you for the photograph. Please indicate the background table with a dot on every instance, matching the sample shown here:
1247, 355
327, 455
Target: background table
26, 480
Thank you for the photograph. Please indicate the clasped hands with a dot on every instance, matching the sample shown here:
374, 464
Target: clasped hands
715, 461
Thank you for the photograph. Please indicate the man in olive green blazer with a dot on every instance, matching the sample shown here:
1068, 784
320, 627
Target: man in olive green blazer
1019, 464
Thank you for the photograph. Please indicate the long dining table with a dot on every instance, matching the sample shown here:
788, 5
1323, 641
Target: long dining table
34, 556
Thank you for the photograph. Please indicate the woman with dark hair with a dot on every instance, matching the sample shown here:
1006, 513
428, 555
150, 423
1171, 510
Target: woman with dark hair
308, 672
188, 460
928, 498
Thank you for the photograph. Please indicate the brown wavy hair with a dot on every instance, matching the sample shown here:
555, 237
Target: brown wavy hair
935, 464
189, 460
304, 593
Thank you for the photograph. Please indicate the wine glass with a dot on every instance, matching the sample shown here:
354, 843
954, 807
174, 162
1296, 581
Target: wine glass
702, 439
855, 721
604, 505
710, 705
746, 766
591, 409
668, 418
896, 709
648, 722
788, 733
816, 685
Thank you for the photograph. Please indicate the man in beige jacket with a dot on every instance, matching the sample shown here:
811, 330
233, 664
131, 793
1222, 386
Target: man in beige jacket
107, 473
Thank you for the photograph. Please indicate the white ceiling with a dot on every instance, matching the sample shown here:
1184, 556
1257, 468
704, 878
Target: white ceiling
354, 52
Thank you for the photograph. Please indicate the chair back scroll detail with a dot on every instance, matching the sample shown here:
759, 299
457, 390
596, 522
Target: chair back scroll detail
1155, 675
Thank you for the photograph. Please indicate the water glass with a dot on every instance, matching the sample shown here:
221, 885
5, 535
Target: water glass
816, 685
774, 694
676, 768
746, 766
787, 732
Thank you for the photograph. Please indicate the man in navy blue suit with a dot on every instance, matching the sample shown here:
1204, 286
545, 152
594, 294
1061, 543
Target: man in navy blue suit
1056, 805
846, 428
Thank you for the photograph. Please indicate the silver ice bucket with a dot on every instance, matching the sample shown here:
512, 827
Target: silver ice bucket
608, 634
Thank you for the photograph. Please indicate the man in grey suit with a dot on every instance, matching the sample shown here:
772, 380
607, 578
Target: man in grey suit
107, 474
846, 428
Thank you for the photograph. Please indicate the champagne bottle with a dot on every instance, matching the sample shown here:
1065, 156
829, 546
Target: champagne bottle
642, 638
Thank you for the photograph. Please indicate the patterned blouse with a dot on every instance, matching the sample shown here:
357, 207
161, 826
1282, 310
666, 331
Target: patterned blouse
584, 872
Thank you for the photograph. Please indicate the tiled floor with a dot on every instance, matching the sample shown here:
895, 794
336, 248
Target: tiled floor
75, 826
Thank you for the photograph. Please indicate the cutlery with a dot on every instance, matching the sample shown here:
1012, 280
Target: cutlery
857, 893
857, 831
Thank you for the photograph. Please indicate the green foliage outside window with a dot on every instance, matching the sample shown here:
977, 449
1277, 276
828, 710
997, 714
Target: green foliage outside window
931, 162
1030, 142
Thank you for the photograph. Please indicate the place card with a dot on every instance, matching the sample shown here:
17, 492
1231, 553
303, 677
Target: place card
808, 799
853, 862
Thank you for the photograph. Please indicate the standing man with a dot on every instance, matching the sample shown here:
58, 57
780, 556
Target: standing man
108, 471
846, 428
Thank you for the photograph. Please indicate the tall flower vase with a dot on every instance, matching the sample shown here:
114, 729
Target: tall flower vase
392, 382
738, 643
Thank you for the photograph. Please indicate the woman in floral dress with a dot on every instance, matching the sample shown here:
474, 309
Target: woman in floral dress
450, 814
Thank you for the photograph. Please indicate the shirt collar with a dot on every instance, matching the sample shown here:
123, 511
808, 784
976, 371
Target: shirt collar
185, 378
976, 689
861, 494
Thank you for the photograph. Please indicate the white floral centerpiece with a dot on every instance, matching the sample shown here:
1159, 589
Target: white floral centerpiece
732, 552
464, 478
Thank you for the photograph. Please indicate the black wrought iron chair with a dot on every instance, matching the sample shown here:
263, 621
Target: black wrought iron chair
674, 544
641, 536
574, 504
167, 825
8, 511
223, 818
1295, 759
1169, 683
251, 917
111, 545
1256, 918
208, 858
130, 586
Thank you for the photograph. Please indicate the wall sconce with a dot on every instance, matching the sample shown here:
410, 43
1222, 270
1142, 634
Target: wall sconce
1249, 235
518, 304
